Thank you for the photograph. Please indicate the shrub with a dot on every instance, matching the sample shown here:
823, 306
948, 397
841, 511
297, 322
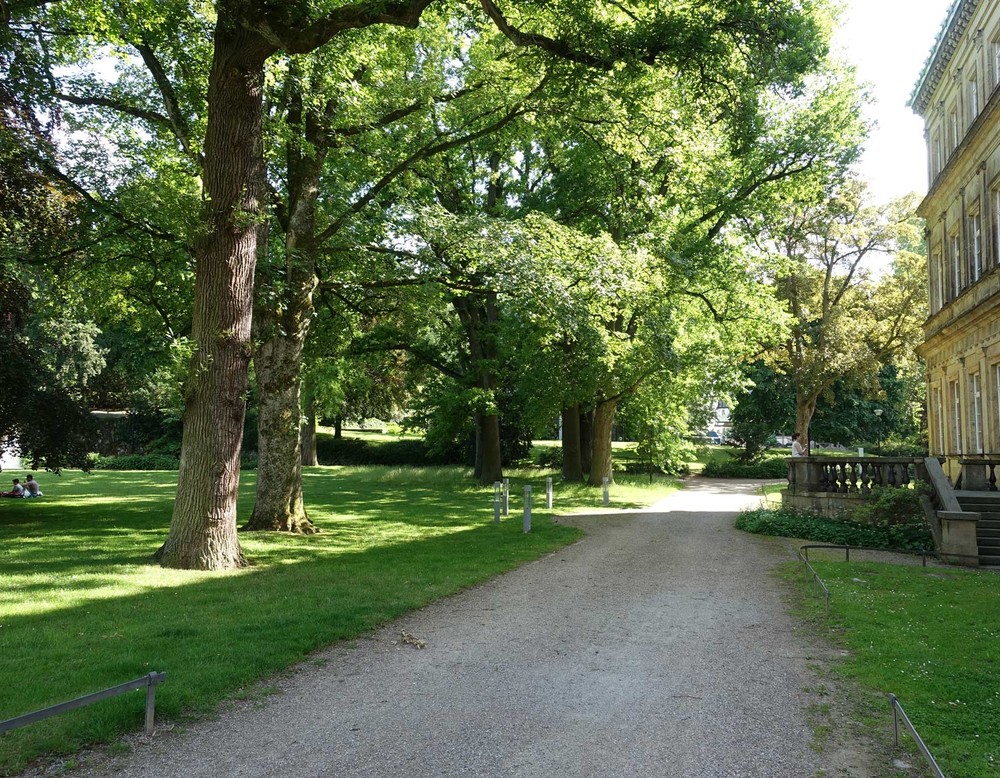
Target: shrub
353, 451
769, 468
133, 462
846, 532
547, 456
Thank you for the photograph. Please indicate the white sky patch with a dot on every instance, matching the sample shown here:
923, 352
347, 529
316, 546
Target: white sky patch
889, 41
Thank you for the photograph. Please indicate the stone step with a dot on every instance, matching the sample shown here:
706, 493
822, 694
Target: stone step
988, 560
989, 501
986, 542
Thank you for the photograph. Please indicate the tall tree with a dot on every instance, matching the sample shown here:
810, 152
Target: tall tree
736, 44
848, 317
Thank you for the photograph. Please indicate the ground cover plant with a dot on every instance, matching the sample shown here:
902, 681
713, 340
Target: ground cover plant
82, 608
931, 636
910, 535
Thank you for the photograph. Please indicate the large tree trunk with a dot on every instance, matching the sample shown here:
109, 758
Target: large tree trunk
285, 311
604, 420
479, 317
278, 360
805, 407
586, 440
572, 466
310, 457
203, 526
492, 467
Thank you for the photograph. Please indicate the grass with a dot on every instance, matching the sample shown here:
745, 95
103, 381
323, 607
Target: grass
931, 636
772, 494
82, 608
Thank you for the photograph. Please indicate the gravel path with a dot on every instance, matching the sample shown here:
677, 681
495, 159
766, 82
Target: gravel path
658, 645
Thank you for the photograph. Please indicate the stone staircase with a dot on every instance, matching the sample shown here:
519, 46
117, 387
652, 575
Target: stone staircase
988, 528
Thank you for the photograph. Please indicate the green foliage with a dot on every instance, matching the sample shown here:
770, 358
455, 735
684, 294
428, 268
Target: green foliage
354, 451
767, 468
764, 407
133, 462
889, 506
807, 526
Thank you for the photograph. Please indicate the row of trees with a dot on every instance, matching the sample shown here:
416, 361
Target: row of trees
504, 212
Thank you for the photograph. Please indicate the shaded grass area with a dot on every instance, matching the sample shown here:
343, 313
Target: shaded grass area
931, 636
82, 608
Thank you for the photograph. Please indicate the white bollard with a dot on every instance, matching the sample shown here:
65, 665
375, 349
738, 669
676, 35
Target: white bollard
607, 497
506, 496
548, 492
527, 507
861, 451
496, 502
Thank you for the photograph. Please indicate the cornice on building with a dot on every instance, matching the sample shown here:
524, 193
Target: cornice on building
948, 37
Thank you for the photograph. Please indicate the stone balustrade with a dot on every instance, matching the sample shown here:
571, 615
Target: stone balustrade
848, 475
979, 474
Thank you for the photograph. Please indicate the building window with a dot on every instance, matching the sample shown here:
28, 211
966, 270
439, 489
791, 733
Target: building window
973, 91
995, 237
955, 262
996, 61
975, 246
937, 280
976, 395
952, 129
996, 393
956, 419
937, 157
939, 417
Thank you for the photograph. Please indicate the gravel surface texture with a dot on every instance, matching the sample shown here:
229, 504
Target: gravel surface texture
659, 645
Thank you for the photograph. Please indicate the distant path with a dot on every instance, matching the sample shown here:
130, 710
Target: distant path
657, 646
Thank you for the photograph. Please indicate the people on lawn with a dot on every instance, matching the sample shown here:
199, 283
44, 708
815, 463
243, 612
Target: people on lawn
28, 489
31, 488
17, 491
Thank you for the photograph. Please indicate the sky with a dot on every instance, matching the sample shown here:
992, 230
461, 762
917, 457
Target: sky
889, 41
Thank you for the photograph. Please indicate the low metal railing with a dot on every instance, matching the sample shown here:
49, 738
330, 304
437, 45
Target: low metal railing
149, 681
847, 551
898, 714
817, 581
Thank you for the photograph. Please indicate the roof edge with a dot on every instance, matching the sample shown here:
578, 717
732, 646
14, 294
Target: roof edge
944, 46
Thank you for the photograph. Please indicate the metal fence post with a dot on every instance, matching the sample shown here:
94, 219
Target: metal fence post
548, 492
506, 496
895, 719
151, 702
527, 507
496, 502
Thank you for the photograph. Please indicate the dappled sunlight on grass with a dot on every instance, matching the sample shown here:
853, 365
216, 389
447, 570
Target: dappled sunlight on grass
82, 606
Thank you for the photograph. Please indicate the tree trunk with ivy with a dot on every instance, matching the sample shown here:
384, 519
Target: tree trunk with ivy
600, 465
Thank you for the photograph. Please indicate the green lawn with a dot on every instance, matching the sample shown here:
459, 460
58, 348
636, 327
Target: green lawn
931, 636
82, 608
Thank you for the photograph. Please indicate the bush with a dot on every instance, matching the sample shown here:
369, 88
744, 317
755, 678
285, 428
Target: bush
845, 532
353, 451
547, 456
133, 462
769, 468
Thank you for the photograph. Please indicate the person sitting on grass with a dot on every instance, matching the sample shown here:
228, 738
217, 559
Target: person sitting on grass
17, 491
31, 488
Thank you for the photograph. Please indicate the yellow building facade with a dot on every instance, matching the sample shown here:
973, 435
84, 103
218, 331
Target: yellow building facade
958, 96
